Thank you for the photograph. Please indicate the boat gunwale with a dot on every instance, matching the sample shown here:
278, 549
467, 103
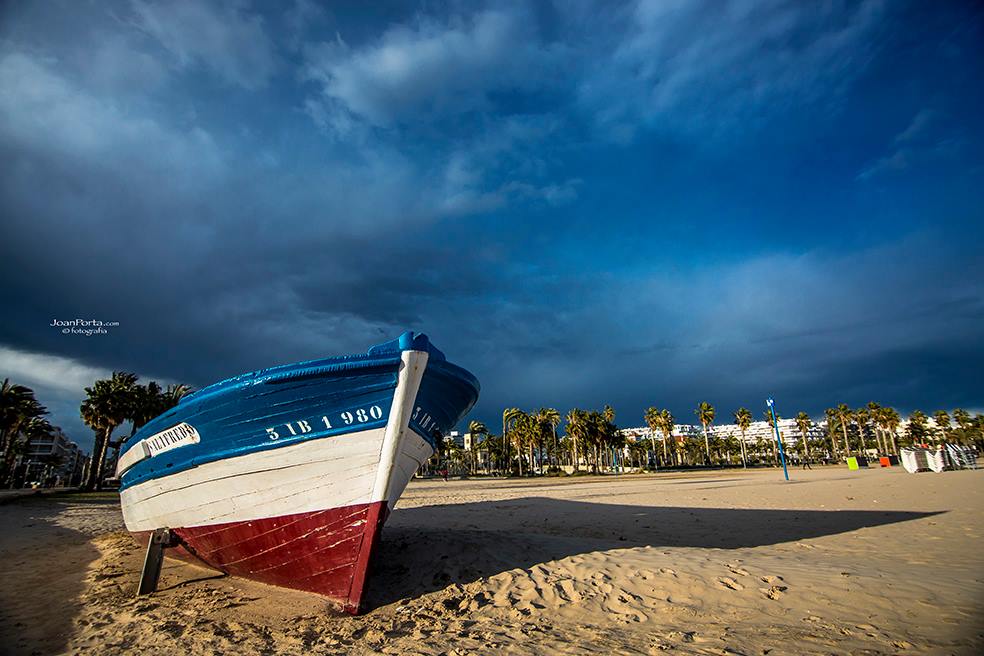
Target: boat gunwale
284, 373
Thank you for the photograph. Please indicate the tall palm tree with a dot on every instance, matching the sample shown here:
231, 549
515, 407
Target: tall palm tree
610, 442
962, 417
917, 430
875, 411
767, 415
526, 431
831, 414
843, 414
15, 404
652, 418
890, 420
476, 428
18, 408
978, 425
743, 419
510, 419
803, 422
666, 424
705, 413
107, 405
942, 420
861, 418
964, 424
548, 418
576, 424
508, 415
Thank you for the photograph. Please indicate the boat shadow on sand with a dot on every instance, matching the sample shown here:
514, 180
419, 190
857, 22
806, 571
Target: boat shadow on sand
43, 567
425, 549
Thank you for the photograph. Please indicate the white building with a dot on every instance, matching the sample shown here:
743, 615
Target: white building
54, 458
758, 430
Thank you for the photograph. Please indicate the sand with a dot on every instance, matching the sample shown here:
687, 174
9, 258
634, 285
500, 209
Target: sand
874, 562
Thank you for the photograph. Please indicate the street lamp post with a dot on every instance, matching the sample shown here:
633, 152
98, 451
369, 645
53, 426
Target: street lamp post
775, 425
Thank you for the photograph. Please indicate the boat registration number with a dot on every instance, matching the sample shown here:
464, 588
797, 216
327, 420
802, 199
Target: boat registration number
304, 426
177, 436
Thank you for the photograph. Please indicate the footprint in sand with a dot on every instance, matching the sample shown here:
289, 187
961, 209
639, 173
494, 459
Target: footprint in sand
667, 571
730, 583
774, 592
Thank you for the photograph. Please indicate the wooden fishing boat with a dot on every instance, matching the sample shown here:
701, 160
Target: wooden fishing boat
286, 475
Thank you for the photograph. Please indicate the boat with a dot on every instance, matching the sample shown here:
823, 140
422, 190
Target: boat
286, 475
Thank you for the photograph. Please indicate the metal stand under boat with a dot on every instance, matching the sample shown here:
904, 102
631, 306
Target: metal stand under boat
160, 540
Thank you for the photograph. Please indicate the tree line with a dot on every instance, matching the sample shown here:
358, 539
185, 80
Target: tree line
22, 419
113, 401
530, 444
109, 403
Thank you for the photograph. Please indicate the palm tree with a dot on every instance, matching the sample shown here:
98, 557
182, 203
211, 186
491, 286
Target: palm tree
146, 402
743, 419
17, 404
978, 424
576, 424
890, 420
653, 420
964, 423
705, 413
772, 425
476, 428
917, 429
962, 417
527, 433
832, 432
18, 408
523, 434
666, 423
548, 418
594, 436
942, 420
173, 395
107, 405
875, 412
843, 414
509, 415
803, 422
610, 440
861, 418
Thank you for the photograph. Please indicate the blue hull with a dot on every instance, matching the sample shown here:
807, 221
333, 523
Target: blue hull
291, 404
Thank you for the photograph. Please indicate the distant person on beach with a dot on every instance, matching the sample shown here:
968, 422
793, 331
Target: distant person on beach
806, 464
444, 473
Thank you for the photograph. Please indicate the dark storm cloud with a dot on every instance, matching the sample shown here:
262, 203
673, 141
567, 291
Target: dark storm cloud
238, 192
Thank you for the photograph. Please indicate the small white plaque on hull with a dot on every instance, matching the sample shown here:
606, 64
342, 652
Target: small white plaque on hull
176, 436
181, 435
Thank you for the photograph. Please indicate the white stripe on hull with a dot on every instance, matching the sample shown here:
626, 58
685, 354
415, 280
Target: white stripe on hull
323, 473
318, 474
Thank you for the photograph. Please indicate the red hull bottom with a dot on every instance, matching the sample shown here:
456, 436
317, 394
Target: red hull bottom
325, 551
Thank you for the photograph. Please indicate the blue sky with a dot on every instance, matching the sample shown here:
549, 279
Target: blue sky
652, 203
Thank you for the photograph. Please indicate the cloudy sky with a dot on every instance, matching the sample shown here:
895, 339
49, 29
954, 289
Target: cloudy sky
652, 203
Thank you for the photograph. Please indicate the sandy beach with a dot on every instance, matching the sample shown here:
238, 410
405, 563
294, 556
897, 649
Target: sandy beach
875, 562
